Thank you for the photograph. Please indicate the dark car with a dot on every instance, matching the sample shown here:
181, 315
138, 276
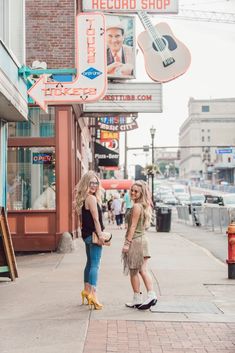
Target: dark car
214, 199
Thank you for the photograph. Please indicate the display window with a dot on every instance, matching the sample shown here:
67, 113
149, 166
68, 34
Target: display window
31, 178
40, 124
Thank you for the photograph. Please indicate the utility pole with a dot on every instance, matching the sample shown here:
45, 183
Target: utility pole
152, 133
125, 158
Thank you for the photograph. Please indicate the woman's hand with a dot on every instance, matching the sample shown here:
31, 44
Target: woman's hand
126, 246
101, 240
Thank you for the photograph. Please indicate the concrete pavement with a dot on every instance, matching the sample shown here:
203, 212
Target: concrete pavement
42, 312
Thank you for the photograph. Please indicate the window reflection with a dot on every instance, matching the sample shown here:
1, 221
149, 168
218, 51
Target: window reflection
31, 178
40, 124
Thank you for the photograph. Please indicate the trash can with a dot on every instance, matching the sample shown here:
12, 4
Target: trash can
163, 219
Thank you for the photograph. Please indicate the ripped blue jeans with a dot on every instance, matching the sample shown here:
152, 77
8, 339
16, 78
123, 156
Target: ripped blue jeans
93, 253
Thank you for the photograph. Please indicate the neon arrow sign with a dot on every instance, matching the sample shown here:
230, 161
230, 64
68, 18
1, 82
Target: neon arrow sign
91, 81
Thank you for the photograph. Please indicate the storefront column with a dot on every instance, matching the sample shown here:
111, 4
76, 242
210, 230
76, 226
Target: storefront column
63, 169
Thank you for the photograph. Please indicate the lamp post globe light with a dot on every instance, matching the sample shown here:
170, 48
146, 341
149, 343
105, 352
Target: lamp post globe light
152, 133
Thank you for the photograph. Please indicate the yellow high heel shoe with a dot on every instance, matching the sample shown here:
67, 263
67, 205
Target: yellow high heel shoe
93, 301
84, 295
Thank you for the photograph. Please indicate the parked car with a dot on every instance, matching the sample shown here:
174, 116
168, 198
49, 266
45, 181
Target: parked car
214, 199
228, 200
170, 200
178, 189
183, 199
197, 199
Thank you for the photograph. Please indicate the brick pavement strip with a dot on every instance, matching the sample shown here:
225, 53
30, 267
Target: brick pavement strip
106, 336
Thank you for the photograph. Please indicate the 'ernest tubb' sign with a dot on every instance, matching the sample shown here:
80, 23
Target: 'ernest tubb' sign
135, 97
131, 6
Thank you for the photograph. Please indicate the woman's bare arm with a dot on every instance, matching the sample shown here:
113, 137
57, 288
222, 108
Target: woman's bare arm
136, 211
91, 204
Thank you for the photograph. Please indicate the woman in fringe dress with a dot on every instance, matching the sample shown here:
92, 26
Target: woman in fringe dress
135, 251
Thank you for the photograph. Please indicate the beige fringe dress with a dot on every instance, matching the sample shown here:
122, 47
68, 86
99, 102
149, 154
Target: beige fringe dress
138, 250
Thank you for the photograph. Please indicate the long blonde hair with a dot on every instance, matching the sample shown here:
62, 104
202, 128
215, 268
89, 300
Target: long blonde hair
145, 200
81, 190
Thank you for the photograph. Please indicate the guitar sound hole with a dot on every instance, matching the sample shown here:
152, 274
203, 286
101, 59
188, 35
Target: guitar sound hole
160, 44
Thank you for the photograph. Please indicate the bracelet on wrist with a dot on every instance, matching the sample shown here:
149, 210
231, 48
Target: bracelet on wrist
127, 243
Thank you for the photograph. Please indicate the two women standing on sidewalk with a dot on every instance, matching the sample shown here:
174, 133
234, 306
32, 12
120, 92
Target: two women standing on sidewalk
135, 249
88, 206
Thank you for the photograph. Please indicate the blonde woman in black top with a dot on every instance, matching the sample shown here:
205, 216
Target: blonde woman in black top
88, 206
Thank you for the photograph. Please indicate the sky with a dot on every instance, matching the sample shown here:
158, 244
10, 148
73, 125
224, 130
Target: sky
210, 75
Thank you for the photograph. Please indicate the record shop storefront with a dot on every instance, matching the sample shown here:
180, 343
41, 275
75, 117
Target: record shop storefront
46, 157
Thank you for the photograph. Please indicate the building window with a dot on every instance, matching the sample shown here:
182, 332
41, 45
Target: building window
205, 108
203, 138
208, 138
40, 124
202, 130
31, 178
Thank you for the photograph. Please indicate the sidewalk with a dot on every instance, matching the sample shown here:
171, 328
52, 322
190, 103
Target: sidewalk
42, 312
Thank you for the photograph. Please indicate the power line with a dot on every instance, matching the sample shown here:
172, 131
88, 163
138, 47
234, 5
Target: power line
179, 147
204, 16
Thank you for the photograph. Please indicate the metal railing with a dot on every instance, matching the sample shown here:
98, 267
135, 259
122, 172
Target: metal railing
210, 217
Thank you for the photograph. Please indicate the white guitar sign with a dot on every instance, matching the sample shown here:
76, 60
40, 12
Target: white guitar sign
166, 58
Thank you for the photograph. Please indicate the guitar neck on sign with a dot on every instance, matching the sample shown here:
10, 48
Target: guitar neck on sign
165, 56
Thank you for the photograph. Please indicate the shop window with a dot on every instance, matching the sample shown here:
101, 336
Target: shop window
40, 124
31, 178
205, 108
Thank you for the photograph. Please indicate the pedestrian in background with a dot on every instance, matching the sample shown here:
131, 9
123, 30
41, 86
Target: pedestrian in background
110, 211
135, 251
117, 210
88, 206
127, 204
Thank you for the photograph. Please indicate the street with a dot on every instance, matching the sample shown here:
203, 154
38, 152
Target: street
42, 312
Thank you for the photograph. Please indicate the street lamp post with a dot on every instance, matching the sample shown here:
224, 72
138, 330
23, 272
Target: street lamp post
152, 133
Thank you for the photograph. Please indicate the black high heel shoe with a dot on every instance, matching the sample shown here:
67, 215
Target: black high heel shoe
147, 304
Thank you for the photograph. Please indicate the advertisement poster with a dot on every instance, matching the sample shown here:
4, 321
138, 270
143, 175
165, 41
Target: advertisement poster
107, 154
121, 52
106, 148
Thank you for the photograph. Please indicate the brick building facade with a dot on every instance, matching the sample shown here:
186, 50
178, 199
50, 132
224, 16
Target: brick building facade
50, 34
62, 135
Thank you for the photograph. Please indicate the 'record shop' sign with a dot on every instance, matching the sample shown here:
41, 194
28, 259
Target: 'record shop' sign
131, 6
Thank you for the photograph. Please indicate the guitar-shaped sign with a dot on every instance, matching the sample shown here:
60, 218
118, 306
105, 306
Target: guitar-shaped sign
165, 56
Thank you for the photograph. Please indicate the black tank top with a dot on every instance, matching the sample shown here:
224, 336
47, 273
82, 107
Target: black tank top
88, 225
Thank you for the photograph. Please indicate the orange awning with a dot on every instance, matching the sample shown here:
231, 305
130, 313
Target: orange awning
115, 184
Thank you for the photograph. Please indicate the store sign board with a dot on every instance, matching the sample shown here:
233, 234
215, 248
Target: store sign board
131, 6
91, 64
128, 97
42, 158
107, 155
117, 123
227, 150
108, 135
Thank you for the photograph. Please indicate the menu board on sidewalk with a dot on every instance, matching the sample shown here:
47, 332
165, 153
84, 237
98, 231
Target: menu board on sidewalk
8, 266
